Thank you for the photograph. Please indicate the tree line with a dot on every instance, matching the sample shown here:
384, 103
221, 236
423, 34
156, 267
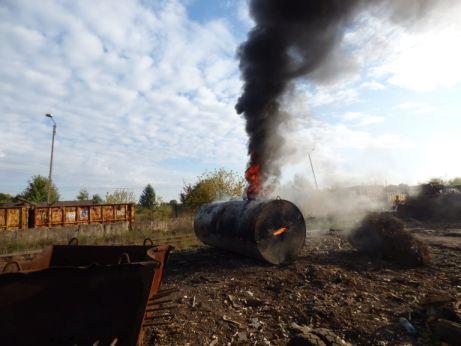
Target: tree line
210, 186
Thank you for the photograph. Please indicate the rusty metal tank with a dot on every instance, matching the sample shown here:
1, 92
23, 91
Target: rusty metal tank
270, 230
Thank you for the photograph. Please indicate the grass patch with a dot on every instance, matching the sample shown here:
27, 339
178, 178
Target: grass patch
177, 232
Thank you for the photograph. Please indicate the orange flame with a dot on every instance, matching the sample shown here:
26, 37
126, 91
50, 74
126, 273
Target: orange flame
252, 176
280, 231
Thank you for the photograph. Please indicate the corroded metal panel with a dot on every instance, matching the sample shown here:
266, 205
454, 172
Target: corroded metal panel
120, 212
108, 212
83, 214
56, 216
70, 215
40, 217
96, 213
13, 218
3, 218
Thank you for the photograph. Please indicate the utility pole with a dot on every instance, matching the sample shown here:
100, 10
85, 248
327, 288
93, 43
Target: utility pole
51, 159
312, 168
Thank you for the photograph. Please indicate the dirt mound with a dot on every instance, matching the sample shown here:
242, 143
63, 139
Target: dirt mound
435, 202
383, 235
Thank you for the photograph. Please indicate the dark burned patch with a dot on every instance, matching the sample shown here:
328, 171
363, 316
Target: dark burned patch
383, 235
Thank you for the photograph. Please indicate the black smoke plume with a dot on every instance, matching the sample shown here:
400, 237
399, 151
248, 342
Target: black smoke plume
290, 39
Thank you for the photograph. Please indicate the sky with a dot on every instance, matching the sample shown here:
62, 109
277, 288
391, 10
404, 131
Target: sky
144, 92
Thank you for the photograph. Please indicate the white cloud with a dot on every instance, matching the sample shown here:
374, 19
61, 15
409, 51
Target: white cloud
243, 13
422, 55
373, 85
362, 119
327, 95
138, 90
143, 94
416, 107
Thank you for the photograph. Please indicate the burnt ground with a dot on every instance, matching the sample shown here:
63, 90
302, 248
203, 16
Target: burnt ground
225, 299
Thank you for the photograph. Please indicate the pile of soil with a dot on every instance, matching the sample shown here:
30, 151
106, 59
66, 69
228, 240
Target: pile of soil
383, 235
435, 202
227, 299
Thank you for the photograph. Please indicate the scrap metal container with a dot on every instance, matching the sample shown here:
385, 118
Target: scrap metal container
270, 230
13, 217
75, 213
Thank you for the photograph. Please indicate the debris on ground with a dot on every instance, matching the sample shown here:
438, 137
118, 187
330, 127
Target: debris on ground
358, 298
443, 316
383, 235
308, 336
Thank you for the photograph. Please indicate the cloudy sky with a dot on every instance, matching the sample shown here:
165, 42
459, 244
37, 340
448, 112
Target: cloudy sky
144, 92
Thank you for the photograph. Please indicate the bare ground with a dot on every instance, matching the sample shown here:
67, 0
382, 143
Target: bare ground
226, 299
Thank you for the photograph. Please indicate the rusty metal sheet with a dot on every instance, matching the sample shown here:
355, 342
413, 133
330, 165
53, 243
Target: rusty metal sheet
75, 305
120, 212
13, 218
63, 215
40, 217
84, 255
108, 212
83, 214
3, 218
56, 215
96, 213
70, 215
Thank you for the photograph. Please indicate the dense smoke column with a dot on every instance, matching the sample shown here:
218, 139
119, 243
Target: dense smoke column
291, 38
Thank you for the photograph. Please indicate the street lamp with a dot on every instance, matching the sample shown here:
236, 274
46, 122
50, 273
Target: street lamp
51, 159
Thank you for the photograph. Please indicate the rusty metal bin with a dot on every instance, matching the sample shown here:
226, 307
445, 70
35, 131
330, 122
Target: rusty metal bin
71, 294
13, 217
75, 305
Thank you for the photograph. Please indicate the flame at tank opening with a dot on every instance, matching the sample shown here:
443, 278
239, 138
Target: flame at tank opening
280, 231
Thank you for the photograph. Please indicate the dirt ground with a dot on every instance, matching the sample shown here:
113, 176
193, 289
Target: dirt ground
226, 299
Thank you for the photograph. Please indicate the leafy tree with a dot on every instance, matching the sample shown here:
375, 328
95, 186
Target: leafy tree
37, 190
120, 196
212, 186
6, 198
97, 199
148, 198
83, 195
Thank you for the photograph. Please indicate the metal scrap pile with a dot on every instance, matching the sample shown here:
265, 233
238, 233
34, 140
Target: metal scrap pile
383, 235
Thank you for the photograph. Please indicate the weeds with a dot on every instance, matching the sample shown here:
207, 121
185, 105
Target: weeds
176, 232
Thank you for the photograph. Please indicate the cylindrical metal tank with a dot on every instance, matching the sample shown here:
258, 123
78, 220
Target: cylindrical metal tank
271, 230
